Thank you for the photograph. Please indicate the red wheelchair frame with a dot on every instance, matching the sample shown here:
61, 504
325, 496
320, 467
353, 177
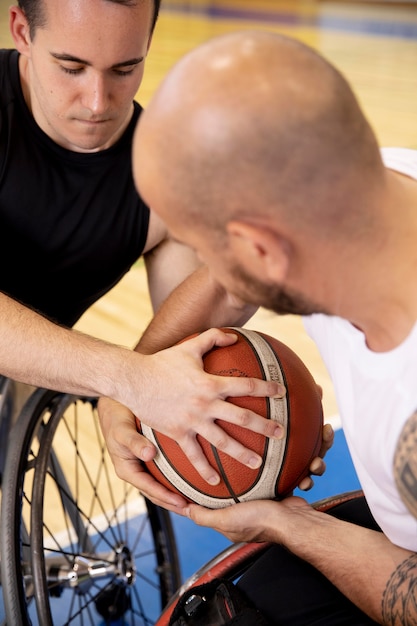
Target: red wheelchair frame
235, 559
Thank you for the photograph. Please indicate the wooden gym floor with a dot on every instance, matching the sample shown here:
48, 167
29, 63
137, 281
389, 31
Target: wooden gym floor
373, 44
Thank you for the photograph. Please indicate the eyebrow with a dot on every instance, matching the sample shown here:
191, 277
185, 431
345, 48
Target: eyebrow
69, 57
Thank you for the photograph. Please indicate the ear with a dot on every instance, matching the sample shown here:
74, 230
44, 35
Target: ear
19, 29
260, 250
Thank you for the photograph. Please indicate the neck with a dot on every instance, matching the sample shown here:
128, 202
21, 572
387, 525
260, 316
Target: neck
385, 308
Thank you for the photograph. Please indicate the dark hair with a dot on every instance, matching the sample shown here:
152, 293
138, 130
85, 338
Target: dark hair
36, 14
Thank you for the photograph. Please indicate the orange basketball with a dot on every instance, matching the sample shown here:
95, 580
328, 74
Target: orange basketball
285, 462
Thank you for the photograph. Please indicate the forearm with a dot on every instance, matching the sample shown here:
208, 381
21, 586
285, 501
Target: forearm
377, 576
197, 304
363, 564
38, 352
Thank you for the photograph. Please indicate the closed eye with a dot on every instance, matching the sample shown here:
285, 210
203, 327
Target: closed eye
69, 70
77, 65
124, 72
118, 72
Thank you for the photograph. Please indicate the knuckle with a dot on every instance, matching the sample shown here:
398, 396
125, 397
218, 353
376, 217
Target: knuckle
211, 385
120, 473
193, 458
203, 403
189, 448
243, 456
196, 407
130, 443
221, 443
270, 427
245, 418
251, 385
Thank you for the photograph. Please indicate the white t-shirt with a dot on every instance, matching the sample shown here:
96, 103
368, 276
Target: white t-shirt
376, 395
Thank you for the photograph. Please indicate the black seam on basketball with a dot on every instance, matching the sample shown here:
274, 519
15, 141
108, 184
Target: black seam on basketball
176, 471
266, 375
174, 468
223, 474
285, 454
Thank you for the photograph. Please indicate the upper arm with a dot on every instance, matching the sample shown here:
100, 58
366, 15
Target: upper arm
168, 262
405, 464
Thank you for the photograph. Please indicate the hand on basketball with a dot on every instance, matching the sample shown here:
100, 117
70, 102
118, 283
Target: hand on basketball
183, 401
258, 520
127, 448
318, 465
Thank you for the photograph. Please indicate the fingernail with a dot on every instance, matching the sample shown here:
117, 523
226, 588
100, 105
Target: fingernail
305, 485
147, 454
281, 391
254, 462
328, 432
278, 432
315, 465
213, 480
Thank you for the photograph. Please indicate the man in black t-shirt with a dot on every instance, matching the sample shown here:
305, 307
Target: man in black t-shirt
71, 224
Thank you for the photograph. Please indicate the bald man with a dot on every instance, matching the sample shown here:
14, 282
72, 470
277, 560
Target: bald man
255, 152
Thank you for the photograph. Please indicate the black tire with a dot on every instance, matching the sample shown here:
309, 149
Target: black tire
7, 400
71, 551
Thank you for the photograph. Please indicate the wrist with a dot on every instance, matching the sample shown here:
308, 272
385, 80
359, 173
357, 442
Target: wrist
130, 373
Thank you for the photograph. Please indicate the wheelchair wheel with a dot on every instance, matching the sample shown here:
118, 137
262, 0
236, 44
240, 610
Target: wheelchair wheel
79, 546
6, 411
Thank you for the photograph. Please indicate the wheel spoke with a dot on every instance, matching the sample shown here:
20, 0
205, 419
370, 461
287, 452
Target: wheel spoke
95, 548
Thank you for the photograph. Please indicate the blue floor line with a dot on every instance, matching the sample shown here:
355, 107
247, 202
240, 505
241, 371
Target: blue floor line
363, 25
198, 545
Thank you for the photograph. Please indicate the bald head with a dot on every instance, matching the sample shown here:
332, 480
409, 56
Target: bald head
255, 124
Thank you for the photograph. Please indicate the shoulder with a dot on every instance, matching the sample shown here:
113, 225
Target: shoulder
137, 112
321, 326
403, 160
8, 70
157, 232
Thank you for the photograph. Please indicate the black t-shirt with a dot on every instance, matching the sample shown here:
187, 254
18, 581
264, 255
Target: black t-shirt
71, 224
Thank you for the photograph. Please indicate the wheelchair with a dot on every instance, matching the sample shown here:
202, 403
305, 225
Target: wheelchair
235, 560
78, 545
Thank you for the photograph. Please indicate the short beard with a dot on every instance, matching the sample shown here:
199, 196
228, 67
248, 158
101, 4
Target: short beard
273, 297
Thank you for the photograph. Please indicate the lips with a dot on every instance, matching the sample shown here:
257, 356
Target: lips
93, 122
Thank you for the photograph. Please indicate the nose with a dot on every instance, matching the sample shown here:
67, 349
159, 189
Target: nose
96, 94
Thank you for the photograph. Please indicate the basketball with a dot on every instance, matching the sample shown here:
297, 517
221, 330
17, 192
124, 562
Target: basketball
285, 462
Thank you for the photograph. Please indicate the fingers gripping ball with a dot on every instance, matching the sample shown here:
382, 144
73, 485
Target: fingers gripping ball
285, 462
